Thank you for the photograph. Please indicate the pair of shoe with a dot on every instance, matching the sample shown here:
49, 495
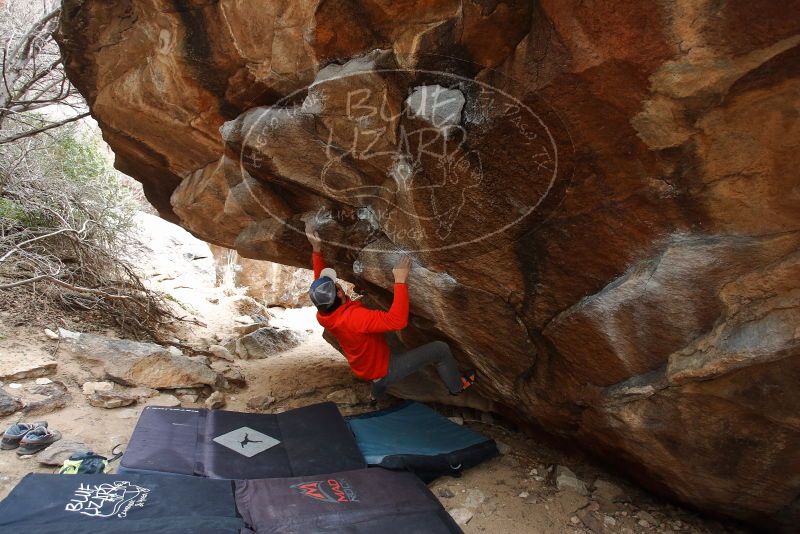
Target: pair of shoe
29, 438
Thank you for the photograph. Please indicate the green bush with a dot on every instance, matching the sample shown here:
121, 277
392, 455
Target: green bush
67, 173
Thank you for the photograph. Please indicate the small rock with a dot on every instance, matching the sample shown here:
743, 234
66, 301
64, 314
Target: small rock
111, 399
346, 397
232, 374
59, 451
244, 319
221, 352
574, 520
533, 472
266, 342
566, 479
212, 300
43, 381
461, 516
503, 448
190, 398
14, 385
571, 501
647, 517
8, 404
243, 330
215, 400
523, 495
643, 523
538, 479
591, 521
475, 498
261, 403
609, 521
90, 387
50, 334
164, 399
56, 397
445, 493
457, 420
606, 491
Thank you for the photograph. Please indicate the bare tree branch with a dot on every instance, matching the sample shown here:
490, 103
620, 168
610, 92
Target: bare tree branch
16, 137
19, 246
56, 281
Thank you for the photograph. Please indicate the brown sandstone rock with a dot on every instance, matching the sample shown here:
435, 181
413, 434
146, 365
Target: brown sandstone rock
604, 222
132, 363
8, 404
111, 399
266, 342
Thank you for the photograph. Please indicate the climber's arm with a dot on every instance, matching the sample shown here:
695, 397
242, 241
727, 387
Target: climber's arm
376, 321
317, 261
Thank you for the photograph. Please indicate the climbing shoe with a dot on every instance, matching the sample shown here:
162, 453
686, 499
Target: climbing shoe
37, 440
14, 434
467, 379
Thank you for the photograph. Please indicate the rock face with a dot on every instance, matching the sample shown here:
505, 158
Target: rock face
601, 197
268, 282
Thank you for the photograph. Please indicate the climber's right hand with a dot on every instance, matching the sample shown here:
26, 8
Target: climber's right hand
313, 236
401, 270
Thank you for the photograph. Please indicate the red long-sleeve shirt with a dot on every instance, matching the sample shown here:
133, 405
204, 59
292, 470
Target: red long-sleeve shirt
360, 330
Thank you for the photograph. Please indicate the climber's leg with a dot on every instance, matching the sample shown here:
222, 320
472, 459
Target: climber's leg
403, 364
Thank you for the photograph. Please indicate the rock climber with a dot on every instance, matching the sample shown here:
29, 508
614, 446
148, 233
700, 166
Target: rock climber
360, 331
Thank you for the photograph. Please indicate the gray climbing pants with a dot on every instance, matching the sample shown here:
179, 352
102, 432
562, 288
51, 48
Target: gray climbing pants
402, 364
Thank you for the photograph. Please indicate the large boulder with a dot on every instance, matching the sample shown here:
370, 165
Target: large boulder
601, 197
133, 363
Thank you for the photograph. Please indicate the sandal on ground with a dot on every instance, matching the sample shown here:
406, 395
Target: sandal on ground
37, 440
14, 434
467, 379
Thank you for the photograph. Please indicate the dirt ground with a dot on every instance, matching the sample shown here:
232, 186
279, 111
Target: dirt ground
513, 493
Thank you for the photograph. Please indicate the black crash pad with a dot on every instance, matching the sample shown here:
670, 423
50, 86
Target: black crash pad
364, 501
233, 445
117, 504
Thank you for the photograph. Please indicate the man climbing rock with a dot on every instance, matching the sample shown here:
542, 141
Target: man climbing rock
360, 331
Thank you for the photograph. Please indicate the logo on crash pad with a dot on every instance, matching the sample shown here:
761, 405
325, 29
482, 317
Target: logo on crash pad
330, 490
246, 441
107, 500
